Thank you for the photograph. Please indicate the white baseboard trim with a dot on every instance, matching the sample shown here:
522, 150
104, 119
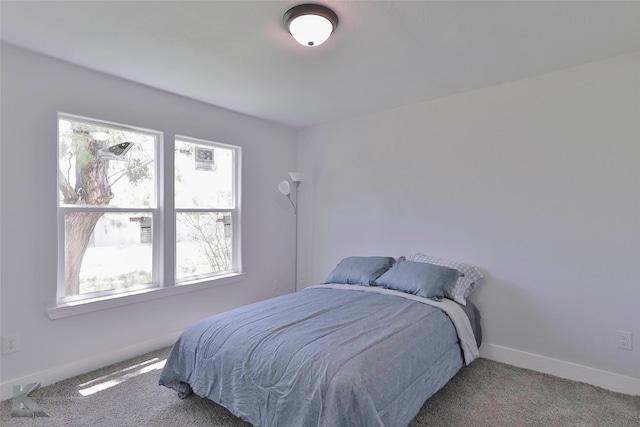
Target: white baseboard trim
59, 373
559, 368
607, 380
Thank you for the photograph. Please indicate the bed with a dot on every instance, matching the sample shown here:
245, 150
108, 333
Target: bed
336, 354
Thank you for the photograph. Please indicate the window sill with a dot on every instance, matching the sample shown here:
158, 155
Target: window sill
75, 308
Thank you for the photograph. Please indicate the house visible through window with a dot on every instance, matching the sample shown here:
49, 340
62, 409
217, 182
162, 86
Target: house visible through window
112, 220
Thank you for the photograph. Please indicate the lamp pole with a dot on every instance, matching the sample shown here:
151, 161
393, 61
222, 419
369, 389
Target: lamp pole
295, 211
285, 189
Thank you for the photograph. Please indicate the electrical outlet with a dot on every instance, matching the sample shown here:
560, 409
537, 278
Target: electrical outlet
10, 344
625, 340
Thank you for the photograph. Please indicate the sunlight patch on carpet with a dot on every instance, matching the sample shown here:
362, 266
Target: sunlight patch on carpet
118, 377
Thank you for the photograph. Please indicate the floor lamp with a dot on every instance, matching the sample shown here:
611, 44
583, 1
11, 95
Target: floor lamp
285, 188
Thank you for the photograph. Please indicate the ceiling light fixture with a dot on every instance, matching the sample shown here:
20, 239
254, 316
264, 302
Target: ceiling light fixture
310, 24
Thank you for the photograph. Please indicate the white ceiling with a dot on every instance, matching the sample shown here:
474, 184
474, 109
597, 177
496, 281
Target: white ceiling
384, 54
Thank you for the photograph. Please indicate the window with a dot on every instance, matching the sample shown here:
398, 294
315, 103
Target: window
112, 222
206, 211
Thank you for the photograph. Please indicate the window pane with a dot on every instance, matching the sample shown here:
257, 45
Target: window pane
203, 176
203, 243
102, 165
107, 251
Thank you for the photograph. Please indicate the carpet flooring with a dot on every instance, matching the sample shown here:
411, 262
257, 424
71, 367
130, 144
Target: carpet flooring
486, 393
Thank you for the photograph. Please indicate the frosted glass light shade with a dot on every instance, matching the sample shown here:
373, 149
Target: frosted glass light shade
310, 24
311, 30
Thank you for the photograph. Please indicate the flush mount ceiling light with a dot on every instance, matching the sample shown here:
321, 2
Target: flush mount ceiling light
310, 24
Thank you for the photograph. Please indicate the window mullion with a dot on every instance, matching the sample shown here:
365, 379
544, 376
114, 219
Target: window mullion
166, 215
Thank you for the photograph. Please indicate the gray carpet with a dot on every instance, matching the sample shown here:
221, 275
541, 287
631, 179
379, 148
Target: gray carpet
486, 393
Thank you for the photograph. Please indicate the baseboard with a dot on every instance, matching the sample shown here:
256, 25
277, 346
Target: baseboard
59, 373
560, 368
607, 380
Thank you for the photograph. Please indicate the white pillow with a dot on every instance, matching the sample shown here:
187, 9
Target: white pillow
465, 284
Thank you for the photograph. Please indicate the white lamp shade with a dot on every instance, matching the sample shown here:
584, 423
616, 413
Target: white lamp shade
295, 176
284, 188
311, 30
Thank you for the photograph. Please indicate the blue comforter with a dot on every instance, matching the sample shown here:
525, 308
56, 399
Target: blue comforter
320, 357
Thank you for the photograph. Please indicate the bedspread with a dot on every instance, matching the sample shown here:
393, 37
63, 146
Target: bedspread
320, 357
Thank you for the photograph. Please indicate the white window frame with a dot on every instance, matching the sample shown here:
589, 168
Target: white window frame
164, 282
236, 265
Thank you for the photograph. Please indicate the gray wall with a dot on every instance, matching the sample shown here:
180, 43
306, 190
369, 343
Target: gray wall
536, 182
34, 90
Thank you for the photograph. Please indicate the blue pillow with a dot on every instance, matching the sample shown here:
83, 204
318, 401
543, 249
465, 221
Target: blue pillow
419, 278
360, 270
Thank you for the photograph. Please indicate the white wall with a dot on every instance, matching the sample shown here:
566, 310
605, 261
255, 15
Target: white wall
536, 182
34, 90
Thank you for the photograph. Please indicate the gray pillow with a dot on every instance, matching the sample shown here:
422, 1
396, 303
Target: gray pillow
419, 278
360, 270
